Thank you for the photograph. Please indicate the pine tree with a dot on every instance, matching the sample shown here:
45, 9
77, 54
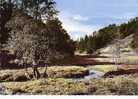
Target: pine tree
39, 9
5, 15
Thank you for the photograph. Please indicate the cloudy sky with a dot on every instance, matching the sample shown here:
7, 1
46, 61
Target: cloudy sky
81, 17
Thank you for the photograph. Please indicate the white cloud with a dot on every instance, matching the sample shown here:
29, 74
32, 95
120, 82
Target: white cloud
125, 16
74, 26
122, 16
80, 18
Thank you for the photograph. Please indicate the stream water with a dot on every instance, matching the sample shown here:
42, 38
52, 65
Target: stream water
94, 74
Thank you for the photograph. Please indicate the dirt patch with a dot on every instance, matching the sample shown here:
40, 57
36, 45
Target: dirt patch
84, 60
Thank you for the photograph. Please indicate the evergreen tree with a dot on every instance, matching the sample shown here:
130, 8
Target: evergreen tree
5, 15
39, 9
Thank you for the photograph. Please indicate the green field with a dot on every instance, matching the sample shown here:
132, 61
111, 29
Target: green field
103, 68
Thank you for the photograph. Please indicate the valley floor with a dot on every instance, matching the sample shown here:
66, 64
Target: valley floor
80, 75
121, 85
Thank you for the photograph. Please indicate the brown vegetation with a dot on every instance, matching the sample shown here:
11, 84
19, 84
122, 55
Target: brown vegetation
52, 72
121, 85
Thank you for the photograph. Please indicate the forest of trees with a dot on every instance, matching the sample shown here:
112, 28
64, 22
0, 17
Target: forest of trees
108, 34
20, 18
31, 30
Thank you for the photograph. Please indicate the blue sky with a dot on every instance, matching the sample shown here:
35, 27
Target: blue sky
81, 17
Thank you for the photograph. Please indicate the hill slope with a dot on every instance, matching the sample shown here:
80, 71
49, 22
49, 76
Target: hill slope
108, 34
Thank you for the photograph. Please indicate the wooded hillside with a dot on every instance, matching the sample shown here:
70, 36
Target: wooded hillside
107, 35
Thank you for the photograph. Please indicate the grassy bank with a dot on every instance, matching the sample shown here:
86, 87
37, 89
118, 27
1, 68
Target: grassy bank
121, 85
103, 68
52, 72
56, 86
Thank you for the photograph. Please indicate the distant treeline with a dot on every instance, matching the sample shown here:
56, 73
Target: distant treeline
108, 34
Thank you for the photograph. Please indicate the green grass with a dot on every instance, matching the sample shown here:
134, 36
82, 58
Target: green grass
130, 59
104, 68
126, 50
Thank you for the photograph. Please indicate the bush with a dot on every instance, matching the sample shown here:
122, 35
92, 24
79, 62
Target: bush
52, 72
67, 72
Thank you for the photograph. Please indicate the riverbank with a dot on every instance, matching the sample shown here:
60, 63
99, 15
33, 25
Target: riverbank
121, 85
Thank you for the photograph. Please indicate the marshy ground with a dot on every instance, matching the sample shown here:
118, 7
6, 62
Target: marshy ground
72, 80
79, 75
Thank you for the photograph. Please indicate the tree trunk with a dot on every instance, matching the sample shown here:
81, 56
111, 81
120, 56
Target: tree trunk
26, 72
36, 72
45, 72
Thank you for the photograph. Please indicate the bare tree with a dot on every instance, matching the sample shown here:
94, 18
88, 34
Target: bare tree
117, 49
